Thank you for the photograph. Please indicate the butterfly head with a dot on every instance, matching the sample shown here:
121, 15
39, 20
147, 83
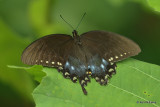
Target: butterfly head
76, 37
75, 33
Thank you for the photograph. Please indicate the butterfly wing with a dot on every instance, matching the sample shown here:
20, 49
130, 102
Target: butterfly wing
111, 46
51, 50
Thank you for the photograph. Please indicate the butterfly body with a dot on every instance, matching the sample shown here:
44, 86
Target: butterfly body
78, 57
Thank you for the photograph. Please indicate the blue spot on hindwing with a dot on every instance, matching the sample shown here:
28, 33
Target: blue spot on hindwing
103, 67
72, 68
67, 65
104, 62
96, 65
75, 66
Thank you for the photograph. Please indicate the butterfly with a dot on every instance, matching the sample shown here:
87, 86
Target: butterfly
92, 54
78, 57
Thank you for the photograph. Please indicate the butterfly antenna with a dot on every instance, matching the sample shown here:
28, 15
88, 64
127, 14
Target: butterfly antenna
67, 22
80, 20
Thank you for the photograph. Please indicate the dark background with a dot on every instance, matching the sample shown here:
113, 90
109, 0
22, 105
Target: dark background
22, 21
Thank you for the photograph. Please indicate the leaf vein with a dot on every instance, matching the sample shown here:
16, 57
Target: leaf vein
145, 73
131, 93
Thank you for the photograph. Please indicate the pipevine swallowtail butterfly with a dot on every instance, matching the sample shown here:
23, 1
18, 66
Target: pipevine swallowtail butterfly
92, 54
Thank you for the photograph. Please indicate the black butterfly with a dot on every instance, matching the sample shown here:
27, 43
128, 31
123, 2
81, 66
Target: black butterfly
92, 54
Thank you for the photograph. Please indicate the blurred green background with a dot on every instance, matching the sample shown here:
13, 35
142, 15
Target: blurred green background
22, 21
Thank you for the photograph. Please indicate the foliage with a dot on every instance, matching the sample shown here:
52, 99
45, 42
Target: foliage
155, 4
34, 71
135, 81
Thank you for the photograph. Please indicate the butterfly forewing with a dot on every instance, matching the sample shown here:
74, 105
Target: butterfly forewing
110, 46
51, 50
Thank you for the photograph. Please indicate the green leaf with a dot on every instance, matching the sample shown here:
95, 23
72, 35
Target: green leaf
35, 71
11, 47
155, 4
135, 81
